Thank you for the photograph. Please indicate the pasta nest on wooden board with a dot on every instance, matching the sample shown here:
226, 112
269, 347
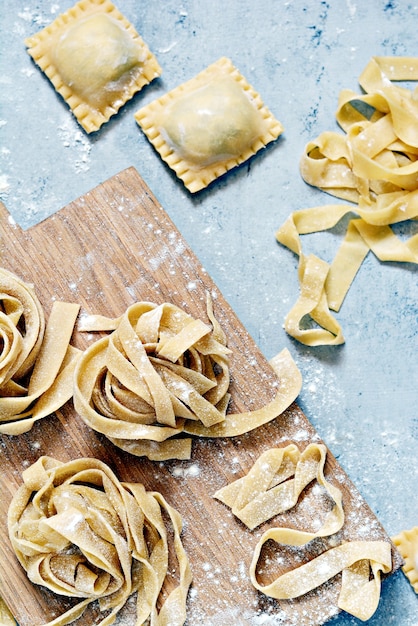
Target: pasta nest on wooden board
160, 375
36, 359
80, 532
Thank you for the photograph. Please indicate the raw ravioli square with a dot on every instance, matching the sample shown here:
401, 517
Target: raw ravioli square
407, 544
208, 125
95, 59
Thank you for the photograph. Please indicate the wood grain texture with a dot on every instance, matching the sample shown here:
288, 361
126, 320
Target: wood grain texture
106, 250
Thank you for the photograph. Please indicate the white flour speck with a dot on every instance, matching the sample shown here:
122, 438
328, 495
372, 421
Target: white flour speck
72, 137
4, 183
184, 472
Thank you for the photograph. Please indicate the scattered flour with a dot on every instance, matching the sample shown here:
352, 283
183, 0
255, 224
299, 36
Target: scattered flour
72, 137
192, 471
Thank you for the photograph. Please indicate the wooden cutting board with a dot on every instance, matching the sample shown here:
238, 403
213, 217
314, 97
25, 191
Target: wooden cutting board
106, 250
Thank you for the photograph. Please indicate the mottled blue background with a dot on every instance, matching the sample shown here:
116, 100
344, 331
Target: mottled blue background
361, 397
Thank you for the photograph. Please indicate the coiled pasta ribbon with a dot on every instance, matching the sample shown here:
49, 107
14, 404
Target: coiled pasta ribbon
36, 359
161, 374
81, 533
375, 167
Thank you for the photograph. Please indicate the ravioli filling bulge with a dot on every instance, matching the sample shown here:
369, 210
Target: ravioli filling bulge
95, 56
211, 124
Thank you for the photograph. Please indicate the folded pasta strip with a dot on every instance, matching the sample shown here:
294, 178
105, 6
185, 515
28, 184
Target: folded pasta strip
160, 375
374, 166
6, 617
274, 484
80, 532
361, 564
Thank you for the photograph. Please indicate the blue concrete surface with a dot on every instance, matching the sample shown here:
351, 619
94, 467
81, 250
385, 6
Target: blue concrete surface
361, 397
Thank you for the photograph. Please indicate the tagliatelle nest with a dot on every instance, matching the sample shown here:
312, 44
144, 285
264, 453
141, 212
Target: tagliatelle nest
161, 374
36, 358
81, 533
158, 368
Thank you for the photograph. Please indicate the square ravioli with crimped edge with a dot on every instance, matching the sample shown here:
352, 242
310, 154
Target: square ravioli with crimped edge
95, 59
407, 544
208, 125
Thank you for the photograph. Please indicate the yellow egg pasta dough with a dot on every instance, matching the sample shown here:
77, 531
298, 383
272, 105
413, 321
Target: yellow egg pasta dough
407, 544
6, 617
36, 361
95, 59
80, 532
274, 483
208, 125
374, 166
161, 375
361, 564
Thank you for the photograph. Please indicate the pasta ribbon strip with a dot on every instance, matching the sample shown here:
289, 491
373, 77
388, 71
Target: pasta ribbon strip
374, 166
37, 361
6, 617
237, 424
274, 484
361, 564
160, 375
80, 532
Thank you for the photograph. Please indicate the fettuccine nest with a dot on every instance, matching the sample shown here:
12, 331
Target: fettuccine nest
161, 375
36, 359
81, 533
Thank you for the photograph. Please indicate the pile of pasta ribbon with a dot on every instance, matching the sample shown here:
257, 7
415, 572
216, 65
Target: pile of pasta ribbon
273, 485
80, 532
374, 166
36, 359
159, 375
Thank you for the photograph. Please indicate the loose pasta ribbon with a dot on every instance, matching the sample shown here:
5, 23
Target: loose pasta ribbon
274, 484
374, 166
361, 564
